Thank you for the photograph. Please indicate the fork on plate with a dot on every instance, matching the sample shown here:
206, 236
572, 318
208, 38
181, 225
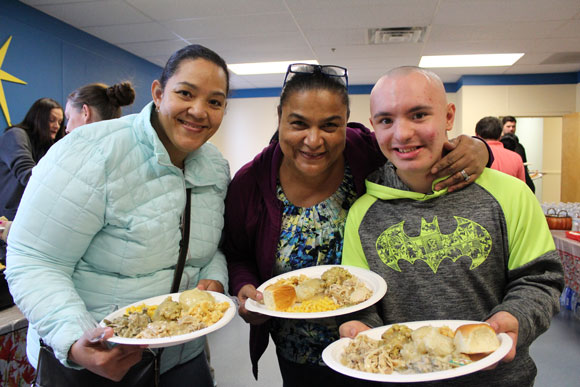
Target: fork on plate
91, 329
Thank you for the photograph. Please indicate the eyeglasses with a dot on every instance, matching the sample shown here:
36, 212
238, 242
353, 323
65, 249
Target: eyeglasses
333, 71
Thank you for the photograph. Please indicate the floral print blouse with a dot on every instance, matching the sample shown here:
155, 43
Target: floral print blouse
310, 236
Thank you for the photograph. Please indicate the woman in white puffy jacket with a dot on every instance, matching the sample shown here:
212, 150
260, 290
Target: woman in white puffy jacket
98, 225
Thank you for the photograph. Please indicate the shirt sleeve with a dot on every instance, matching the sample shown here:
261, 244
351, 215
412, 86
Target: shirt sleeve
16, 153
535, 272
241, 222
61, 210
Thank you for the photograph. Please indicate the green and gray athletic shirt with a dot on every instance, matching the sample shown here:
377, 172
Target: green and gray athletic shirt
464, 255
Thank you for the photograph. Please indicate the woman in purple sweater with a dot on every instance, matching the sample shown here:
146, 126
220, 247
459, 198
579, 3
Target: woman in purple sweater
286, 209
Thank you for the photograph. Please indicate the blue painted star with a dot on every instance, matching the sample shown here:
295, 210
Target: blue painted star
4, 76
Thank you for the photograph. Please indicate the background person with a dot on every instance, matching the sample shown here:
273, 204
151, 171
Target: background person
21, 147
95, 102
510, 141
504, 160
286, 209
481, 253
109, 235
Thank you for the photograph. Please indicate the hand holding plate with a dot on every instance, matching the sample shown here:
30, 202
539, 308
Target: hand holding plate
352, 328
249, 291
111, 363
504, 322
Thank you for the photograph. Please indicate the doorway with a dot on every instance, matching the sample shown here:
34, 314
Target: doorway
542, 140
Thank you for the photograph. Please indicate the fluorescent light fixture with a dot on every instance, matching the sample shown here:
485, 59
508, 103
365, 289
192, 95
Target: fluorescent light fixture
478, 60
265, 67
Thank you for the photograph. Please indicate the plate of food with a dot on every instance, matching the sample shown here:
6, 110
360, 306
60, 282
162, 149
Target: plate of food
418, 351
319, 292
170, 319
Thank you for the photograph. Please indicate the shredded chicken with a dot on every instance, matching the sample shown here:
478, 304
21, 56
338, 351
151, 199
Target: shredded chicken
171, 318
426, 349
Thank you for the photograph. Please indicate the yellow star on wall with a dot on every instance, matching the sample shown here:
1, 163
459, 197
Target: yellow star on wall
4, 76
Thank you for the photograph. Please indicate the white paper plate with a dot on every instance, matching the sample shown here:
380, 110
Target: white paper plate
373, 281
332, 354
172, 340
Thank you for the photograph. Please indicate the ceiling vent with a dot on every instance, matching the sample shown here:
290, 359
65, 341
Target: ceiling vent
396, 35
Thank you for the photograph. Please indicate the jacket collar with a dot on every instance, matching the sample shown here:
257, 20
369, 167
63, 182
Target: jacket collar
201, 165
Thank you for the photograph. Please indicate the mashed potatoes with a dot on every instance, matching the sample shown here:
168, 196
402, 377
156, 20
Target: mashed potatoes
426, 349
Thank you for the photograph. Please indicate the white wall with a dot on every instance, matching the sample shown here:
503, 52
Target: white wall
250, 122
518, 101
530, 132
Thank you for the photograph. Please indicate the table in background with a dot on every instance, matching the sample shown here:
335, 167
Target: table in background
569, 251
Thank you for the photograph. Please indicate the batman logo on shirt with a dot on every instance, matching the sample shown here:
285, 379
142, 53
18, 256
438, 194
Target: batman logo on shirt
469, 240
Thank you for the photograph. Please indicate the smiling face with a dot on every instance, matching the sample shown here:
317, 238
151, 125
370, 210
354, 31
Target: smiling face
312, 133
410, 115
190, 107
55, 121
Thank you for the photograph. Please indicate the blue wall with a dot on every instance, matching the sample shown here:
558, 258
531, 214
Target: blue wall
55, 58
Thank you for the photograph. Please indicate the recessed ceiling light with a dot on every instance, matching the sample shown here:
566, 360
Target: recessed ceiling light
265, 67
478, 60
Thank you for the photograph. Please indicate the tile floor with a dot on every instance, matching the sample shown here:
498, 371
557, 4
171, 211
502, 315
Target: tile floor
556, 353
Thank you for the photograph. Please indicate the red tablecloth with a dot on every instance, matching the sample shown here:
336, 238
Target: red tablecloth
570, 254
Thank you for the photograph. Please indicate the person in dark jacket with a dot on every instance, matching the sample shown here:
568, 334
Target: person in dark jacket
286, 209
510, 141
22, 146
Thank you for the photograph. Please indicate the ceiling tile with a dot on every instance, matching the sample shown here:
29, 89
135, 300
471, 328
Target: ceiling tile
364, 17
95, 13
179, 9
130, 33
541, 69
569, 29
45, 2
494, 31
334, 37
232, 26
477, 47
151, 49
332, 31
478, 12
557, 45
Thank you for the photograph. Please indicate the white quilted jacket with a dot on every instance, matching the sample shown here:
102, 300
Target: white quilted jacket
98, 228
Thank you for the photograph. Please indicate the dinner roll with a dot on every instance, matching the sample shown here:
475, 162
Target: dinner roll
476, 338
279, 297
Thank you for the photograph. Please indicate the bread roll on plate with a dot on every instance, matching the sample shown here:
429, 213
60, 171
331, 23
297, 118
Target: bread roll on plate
279, 297
475, 338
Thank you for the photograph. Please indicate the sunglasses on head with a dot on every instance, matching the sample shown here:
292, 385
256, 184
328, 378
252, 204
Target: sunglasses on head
333, 71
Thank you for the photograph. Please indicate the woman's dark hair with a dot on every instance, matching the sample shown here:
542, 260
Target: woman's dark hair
106, 100
193, 52
312, 81
36, 124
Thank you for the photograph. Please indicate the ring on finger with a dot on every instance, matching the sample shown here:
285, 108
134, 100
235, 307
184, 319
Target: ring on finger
465, 175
